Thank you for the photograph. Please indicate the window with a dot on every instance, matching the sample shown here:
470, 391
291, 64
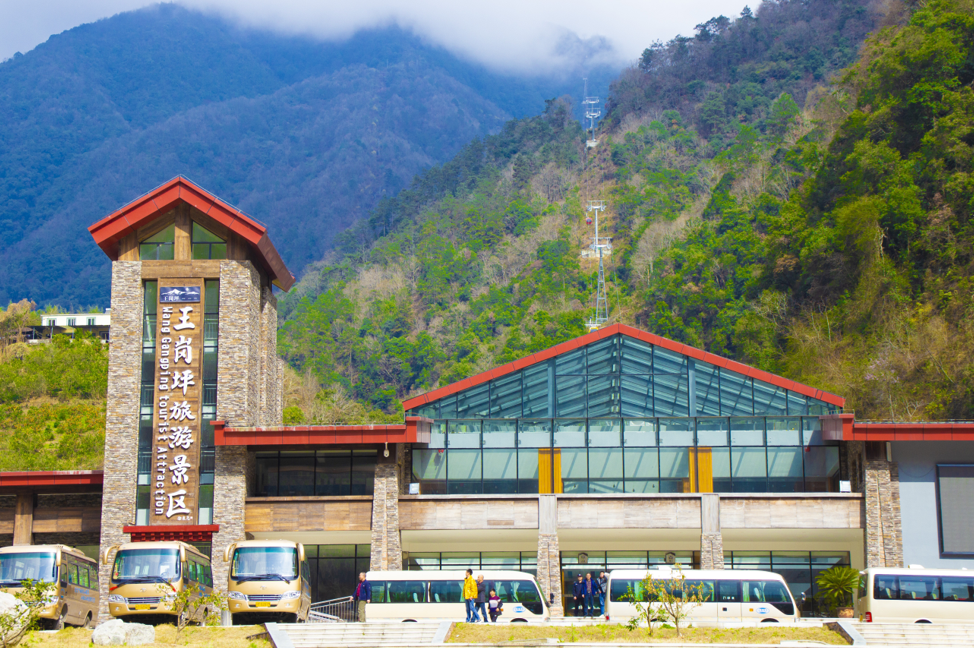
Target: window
72, 321
91, 321
446, 592
955, 492
326, 472
159, 247
207, 245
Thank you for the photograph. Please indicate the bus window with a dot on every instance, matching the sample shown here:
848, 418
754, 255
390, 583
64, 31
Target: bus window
885, 587
516, 591
958, 589
209, 575
446, 591
703, 589
619, 590
306, 571
728, 591
407, 591
775, 592
72, 573
191, 567
83, 576
93, 576
919, 588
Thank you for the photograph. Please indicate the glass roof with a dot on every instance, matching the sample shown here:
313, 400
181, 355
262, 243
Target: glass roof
622, 376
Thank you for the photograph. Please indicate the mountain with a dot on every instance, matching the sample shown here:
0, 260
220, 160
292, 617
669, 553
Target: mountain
790, 189
306, 135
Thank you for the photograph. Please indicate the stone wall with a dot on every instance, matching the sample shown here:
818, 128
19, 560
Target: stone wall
122, 413
271, 369
238, 399
883, 537
711, 551
386, 538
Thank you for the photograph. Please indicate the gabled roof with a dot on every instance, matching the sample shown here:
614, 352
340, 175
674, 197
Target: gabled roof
622, 329
110, 230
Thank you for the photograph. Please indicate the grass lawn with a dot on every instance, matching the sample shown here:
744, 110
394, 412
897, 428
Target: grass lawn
235, 637
604, 632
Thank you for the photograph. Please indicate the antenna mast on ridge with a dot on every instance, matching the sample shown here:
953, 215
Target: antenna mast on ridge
601, 304
592, 112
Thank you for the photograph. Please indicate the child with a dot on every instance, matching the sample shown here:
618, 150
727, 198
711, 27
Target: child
496, 606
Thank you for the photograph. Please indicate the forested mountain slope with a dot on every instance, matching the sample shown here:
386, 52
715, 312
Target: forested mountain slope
764, 204
307, 135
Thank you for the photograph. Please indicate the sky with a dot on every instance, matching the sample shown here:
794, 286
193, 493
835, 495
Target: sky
528, 36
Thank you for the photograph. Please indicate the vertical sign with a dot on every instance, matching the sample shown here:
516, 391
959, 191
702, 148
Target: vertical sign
178, 395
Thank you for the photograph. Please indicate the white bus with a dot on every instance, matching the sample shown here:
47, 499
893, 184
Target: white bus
916, 595
416, 595
729, 595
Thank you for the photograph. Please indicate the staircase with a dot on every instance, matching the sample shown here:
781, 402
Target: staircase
348, 635
917, 635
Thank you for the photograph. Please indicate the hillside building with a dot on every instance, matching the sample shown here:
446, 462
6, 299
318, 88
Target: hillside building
617, 449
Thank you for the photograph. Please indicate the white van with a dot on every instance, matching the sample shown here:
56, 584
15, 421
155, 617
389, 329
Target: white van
416, 595
729, 595
916, 595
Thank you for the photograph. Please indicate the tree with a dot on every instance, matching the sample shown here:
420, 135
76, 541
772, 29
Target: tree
712, 113
837, 585
34, 596
675, 596
191, 605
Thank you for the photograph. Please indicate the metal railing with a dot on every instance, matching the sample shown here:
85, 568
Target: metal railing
340, 610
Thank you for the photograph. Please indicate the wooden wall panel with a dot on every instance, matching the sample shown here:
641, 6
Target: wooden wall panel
415, 515
629, 513
307, 514
74, 519
790, 513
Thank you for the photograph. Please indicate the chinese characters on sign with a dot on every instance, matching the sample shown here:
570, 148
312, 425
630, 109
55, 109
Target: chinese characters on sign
178, 394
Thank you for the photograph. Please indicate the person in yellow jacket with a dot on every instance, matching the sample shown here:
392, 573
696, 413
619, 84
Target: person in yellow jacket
470, 597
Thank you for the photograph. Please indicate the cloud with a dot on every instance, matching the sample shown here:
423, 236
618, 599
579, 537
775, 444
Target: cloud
530, 36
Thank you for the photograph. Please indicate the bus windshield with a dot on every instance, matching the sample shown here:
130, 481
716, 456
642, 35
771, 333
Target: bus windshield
146, 566
35, 565
264, 563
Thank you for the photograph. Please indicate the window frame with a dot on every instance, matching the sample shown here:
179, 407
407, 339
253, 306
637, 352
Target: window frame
940, 524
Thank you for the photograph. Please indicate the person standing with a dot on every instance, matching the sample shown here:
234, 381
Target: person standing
577, 592
590, 591
470, 596
363, 596
603, 591
496, 606
482, 597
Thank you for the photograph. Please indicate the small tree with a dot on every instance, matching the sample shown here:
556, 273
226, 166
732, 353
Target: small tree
191, 605
35, 595
836, 585
676, 596
646, 611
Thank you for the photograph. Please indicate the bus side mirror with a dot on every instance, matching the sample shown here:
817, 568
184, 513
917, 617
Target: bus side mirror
228, 551
300, 552
182, 554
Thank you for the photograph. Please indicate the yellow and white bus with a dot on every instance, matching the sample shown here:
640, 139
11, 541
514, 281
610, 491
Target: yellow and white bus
269, 580
146, 576
417, 595
729, 595
74, 601
916, 595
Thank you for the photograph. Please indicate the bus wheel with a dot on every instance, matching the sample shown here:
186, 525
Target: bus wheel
59, 622
88, 625
769, 621
923, 621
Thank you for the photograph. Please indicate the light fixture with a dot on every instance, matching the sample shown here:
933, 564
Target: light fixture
385, 453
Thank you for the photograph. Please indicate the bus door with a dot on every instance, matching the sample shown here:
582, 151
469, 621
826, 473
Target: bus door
728, 597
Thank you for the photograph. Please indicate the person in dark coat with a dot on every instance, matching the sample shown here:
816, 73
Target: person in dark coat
482, 598
590, 593
363, 596
604, 586
579, 597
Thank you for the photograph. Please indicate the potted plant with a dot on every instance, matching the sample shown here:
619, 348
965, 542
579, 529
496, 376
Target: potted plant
836, 586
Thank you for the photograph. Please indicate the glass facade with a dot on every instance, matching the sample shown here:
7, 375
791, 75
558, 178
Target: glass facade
798, 568
159, 247
335, 569
497, 560
621, 415
207, 245
325, 472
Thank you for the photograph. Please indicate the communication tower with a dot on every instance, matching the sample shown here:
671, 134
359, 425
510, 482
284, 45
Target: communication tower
601, 304
592, 112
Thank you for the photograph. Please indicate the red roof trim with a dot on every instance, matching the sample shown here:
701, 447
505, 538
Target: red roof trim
108, 231
53, 478
414, 430
186, 533
908, 431
635, 333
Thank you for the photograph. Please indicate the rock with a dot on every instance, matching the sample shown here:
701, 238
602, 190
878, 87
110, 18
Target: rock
17, 609
116, 633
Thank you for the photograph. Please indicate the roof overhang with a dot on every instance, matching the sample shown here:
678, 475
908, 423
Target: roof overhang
844, 427
414, 430
110, 230
52, 481
622, 329
162, 532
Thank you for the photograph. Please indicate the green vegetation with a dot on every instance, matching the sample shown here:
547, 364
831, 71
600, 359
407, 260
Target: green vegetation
490, 633
52, 398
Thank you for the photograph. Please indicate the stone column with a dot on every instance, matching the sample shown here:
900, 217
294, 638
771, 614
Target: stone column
549, 554
24, 518
122, 414
711, 540
386, 539
883, 537
238, 401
